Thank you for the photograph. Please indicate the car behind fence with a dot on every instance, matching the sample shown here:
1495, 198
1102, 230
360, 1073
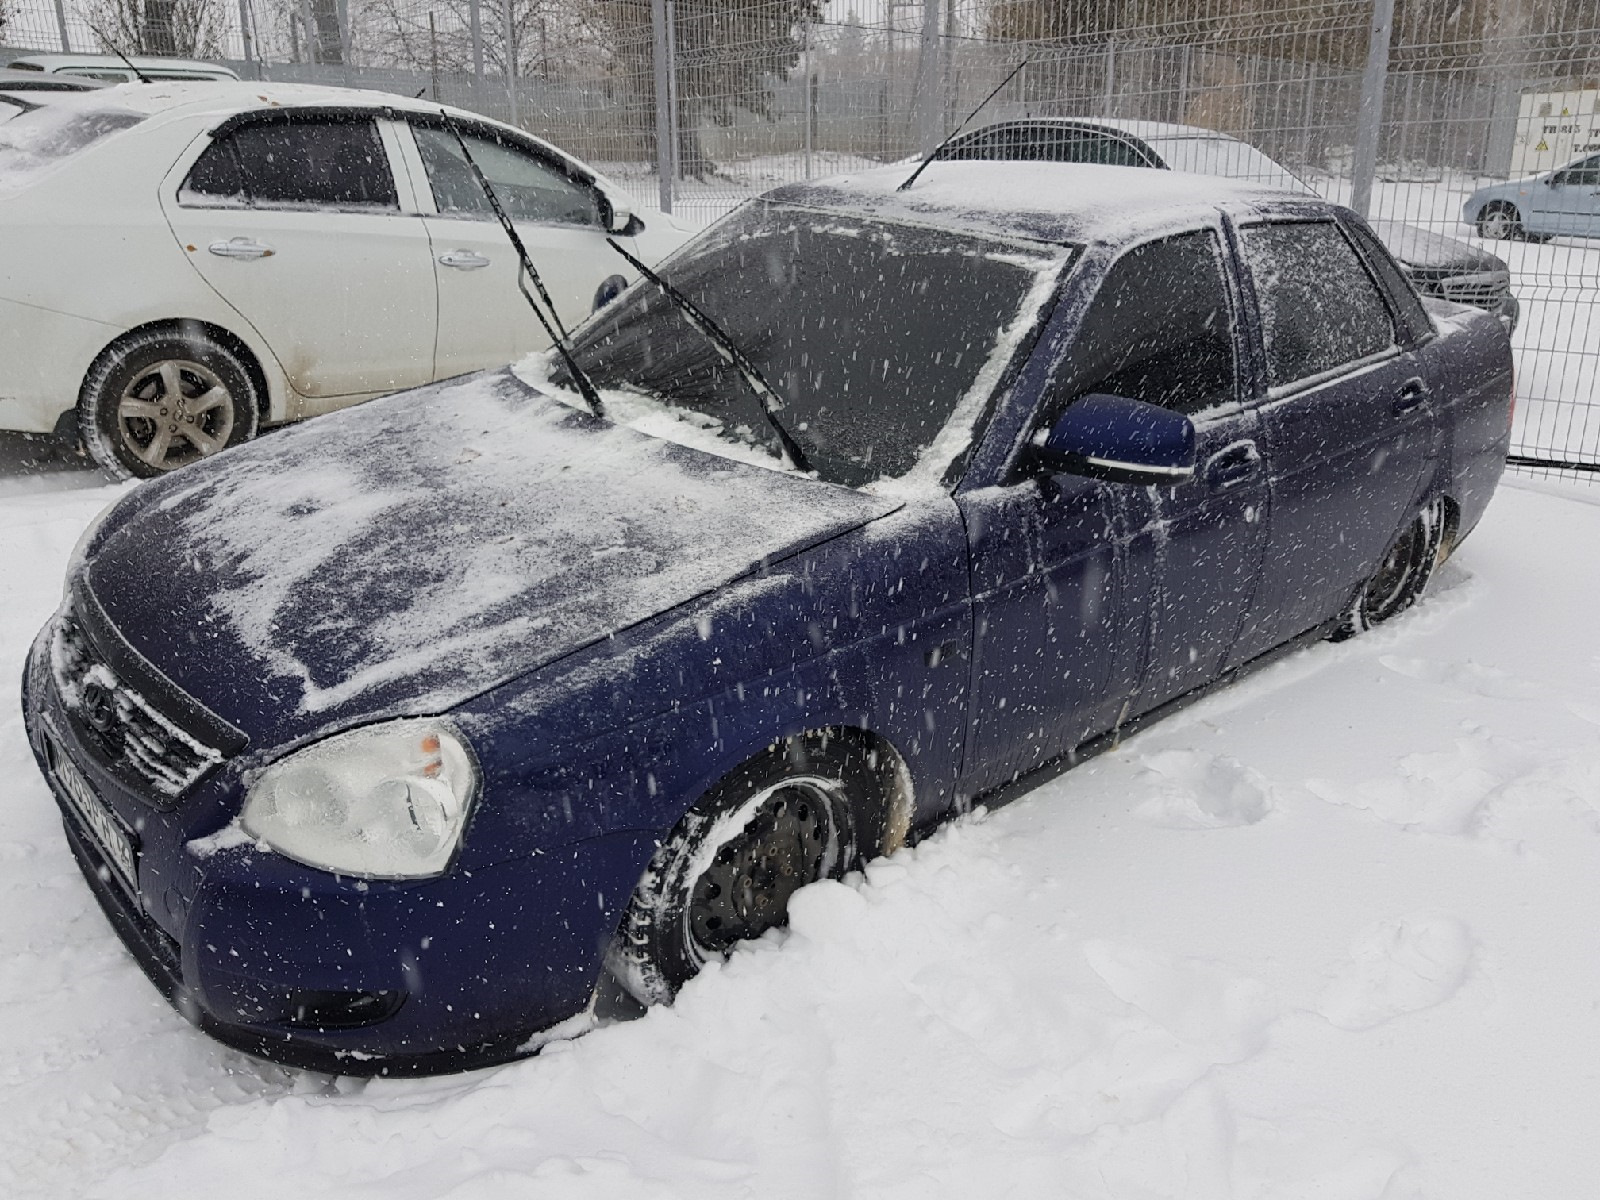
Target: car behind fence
695, 104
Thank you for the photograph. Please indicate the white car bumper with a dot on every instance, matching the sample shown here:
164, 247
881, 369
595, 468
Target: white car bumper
44, 356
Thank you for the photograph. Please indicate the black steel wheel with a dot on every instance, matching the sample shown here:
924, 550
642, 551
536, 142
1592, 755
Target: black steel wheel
163, 398
809, 808
1401, 576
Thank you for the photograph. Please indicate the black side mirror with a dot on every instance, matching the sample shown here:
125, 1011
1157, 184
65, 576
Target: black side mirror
1113, 437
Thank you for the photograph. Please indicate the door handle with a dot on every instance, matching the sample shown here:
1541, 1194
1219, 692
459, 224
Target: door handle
463, 260
1231, 466
1412, 393
241, 247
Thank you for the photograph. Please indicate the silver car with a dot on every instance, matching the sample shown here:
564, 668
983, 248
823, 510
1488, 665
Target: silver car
1564, 201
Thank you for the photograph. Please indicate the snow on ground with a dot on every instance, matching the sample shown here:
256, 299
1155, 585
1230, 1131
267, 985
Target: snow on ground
1330, 934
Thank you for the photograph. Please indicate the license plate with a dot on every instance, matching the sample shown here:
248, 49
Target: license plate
113, 842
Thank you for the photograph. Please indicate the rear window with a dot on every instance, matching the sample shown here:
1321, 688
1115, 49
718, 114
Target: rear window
36, 141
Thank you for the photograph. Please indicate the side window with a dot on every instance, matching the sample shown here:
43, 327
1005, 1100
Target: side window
528, 188
1412, 315
314, 163
1160, 329
1584, 173
1320, 310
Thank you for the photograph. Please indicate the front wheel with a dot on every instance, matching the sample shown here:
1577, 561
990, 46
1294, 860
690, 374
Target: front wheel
809, 808
1400, 577
1501, 221
162, 399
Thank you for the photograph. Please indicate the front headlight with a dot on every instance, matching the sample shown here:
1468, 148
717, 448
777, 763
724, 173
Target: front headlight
389, 801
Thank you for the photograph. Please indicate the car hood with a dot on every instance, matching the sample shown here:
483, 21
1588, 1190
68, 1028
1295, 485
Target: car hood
1425, 250
408, 554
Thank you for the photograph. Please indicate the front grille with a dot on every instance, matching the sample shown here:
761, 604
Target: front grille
139, 743
1486, 290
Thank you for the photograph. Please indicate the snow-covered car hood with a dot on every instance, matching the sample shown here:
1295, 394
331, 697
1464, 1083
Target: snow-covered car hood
407, 554
1423, 249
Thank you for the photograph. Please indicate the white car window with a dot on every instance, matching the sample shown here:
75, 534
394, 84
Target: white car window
1227, 159
527, 188
318, 163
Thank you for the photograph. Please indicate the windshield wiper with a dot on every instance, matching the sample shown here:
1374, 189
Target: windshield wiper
586, 389
769, 399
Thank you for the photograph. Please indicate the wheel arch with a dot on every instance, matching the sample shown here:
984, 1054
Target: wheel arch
268, 400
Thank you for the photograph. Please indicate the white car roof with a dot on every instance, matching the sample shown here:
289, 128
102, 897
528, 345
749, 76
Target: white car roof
48, 63
223, 98
1149, 130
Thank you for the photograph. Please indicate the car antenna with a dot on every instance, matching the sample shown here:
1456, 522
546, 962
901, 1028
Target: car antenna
770, 400
922, 166
105, 41
586, 388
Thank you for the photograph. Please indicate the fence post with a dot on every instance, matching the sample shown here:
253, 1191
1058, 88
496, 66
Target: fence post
663, 90
475, 25
1369, 114
805, 91
928, 90
1111, 78
511, 59
61, 25
244, 36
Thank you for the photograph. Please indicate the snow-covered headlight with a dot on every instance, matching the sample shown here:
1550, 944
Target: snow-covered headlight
389, 801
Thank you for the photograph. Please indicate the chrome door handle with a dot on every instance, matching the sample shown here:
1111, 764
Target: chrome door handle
241, 247
463, 260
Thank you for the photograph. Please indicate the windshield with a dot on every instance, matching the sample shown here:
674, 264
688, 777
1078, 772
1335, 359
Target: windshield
884, 341
35, 141
1226, 158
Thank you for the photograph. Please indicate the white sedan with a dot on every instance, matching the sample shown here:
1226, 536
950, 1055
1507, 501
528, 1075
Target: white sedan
186, 263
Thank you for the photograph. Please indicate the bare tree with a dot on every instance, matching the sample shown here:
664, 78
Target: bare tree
186, 28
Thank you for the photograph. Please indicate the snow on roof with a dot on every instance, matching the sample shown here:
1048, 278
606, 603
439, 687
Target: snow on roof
220, 96
1045, 201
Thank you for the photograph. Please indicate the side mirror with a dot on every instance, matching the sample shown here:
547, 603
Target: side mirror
1112, 437
618, 216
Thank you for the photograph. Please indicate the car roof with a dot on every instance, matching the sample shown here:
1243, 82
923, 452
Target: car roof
1148, 130
59, 62
12, 80
221, 98
1042, 201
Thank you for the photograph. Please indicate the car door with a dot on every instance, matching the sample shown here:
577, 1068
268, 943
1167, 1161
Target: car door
1569, 200
560, 217
1347, 416
294, 218
1084, 590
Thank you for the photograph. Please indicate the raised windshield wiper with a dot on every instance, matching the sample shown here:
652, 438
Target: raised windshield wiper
769, 399
937, 150
586, 388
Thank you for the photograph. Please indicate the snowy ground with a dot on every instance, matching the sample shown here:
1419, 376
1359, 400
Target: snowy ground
1332, 934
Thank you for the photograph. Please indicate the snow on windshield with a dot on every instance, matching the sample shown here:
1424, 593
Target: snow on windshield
1226, 159
36, 141
884, 340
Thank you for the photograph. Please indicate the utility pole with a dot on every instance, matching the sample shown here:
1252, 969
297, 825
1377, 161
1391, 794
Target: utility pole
665, 133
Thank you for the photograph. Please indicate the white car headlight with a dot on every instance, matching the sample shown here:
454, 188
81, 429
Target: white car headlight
388, 802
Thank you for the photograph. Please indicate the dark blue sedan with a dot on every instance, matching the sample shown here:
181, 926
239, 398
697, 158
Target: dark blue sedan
407, 736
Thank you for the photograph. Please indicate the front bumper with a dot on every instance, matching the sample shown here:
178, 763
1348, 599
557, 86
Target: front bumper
332, 973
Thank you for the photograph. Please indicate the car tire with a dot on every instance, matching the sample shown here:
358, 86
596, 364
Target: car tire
1501, 220
809, 808
1402, 575
130, 421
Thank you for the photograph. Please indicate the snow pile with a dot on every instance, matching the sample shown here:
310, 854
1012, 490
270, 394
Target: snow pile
1330, 933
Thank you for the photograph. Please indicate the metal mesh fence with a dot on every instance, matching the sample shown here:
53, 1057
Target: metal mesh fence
1401, 107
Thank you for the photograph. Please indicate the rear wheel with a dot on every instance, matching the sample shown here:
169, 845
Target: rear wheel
162, 399
1401, 576
810, 808
1500, 220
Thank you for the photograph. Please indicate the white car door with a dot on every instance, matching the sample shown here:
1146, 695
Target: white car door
294, 218
559, 214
